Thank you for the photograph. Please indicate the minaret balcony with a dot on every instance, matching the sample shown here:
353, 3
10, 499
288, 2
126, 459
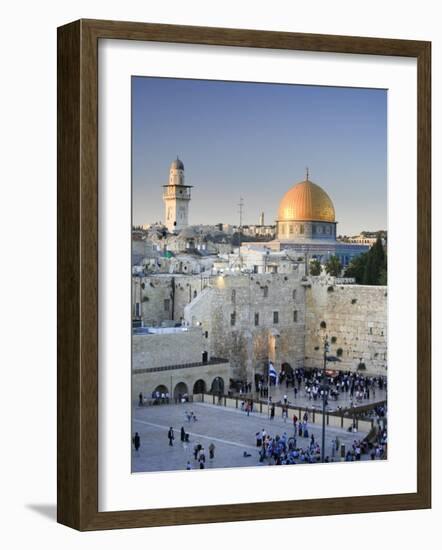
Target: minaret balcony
176, 192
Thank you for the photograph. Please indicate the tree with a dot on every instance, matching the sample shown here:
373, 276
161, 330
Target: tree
333, 266
369, 268
356, 268
315, 267
376, 261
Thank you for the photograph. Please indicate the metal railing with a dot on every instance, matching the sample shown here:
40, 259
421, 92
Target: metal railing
344, 415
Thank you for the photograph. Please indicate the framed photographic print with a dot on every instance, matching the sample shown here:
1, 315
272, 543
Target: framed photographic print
243, 275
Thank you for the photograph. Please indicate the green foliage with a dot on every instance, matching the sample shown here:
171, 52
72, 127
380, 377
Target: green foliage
369, 268
356, 268
383, 276
315, 267
333, 266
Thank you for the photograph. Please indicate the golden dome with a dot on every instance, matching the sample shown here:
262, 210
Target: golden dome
306, 201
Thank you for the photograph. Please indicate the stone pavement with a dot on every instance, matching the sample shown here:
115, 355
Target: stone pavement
231, 430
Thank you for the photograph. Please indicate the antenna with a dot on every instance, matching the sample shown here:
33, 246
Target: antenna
306, 173
240, 210
241, 206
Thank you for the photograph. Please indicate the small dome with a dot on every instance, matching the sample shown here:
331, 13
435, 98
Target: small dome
177, 164
306, 201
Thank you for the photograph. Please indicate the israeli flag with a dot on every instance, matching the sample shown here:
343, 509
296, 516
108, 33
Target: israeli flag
272, 371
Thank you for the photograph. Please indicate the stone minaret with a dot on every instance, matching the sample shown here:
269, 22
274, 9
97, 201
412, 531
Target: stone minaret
176, 199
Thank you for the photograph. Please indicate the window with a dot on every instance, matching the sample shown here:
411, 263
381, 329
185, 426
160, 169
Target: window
265, 291
166, 304
295, 316
206, 334
233, 296
294, 294
256, 319
255, 269
232, 319
301, 229
275, 317
137, 309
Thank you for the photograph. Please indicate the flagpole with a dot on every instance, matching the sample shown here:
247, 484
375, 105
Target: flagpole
268, 390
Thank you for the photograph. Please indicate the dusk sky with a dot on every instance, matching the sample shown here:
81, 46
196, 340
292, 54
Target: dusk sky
255, 141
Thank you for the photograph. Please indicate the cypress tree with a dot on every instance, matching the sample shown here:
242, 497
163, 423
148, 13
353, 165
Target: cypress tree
375, 263
356, 268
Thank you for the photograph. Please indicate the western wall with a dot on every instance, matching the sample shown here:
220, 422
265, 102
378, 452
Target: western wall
354, 319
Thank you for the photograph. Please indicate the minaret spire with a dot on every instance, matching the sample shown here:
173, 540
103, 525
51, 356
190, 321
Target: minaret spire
306, 173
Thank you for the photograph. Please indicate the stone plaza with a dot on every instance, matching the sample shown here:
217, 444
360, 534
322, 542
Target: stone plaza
231, 430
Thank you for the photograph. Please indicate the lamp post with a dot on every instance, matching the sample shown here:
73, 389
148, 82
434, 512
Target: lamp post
324, 398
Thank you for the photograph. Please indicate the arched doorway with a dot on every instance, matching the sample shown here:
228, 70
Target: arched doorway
181, 391
217, 386
287, 374
287, 369
161, 389
199, 386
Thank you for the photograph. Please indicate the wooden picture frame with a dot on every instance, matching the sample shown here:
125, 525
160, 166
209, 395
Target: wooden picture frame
77, 387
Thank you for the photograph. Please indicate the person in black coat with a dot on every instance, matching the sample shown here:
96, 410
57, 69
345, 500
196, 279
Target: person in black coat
171, 436
137, 441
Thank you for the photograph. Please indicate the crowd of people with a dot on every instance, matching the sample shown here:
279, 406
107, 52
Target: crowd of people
309, 383
356, 385
162, 398
282, 449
